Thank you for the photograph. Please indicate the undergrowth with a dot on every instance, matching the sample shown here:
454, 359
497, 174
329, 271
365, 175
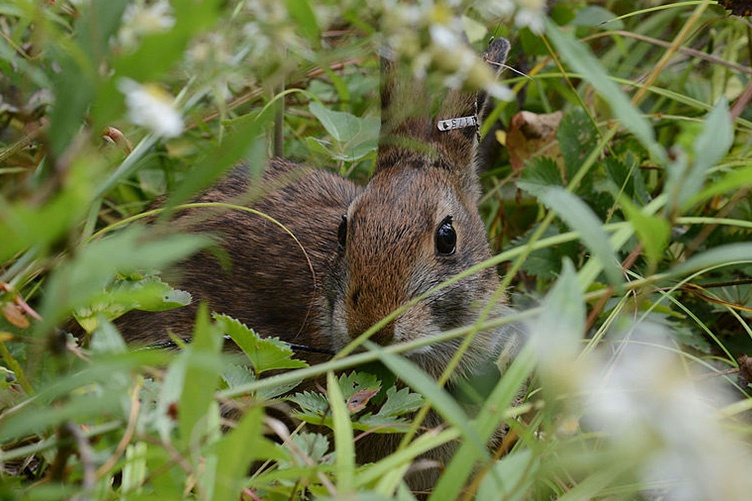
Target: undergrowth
617, 200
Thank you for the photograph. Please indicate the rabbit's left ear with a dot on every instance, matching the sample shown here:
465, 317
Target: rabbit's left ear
421, 121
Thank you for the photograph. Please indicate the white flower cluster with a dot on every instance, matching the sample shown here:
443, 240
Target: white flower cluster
140, 19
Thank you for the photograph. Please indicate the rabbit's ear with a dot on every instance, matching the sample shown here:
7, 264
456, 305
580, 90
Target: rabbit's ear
424, 122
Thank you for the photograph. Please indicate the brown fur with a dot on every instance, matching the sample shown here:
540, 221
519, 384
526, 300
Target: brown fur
330, 294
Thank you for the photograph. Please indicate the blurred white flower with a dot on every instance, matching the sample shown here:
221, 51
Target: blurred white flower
151, 107
647, 405
140, 19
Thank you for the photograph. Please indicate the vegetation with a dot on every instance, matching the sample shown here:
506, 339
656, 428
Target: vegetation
622, 228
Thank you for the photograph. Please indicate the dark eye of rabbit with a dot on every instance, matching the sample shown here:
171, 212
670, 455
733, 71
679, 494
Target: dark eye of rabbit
342, 231
446, 237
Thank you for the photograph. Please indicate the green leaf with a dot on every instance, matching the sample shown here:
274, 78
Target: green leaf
202, 367
654, 231
314, 407
146, 294
581, 218
686, 176
304, 16
134, 469
264, 353
235, 451
731, 181
539, 174
400, 402
343, 437
724, 255
441, 401
595, 16
512, 477
577, 55
357, 136
75, 283
557, 332
577, 138
356, 382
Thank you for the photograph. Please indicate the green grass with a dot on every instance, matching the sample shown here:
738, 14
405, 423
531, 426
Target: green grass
626, 247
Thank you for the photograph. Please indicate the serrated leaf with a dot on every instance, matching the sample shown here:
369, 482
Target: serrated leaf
581, 218
539, 174
312, 404
314, 445
237, 375
441, 401
400, 402
264, 353
356, 382
147, 294
577, 137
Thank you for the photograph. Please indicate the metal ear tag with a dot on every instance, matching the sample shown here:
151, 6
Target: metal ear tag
457, 123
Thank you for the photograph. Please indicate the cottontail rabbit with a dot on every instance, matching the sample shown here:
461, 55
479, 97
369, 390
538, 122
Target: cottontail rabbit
367, 250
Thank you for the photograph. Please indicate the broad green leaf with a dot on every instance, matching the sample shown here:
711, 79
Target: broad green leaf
202, 368
343, 437
345, 127
731, 181
687, 175
557, 332
594, 16
146, 294
653, 230
581, 218
235, 451
264, 353
512, 479
577, 55
75, 283
305, 17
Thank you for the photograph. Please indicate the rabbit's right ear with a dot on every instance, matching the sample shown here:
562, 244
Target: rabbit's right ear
425, 123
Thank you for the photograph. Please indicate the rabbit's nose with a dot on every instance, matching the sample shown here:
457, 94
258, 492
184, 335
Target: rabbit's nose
383, 336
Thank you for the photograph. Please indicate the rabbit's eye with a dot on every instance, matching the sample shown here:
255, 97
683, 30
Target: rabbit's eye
446, 237
342, 231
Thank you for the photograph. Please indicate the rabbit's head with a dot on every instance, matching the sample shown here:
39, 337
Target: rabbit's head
417, 225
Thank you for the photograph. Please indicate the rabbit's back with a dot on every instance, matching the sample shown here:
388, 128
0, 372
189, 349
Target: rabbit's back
261, 275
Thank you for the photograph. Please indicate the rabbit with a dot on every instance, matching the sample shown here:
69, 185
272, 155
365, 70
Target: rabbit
363, 251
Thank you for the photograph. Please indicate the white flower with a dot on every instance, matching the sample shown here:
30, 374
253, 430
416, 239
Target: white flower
531, 13
151, 107
140, 20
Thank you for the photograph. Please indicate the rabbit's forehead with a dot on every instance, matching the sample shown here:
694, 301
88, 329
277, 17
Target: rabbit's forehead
414, 201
